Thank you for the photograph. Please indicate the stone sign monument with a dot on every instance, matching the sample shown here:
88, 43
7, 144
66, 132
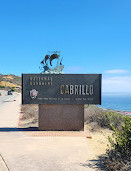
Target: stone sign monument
61, 97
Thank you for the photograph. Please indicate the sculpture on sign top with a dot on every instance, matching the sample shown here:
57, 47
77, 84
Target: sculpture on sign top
47, 63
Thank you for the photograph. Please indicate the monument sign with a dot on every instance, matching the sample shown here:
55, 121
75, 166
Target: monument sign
61, 88
61, 97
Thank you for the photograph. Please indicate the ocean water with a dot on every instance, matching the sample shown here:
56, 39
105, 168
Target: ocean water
117, 101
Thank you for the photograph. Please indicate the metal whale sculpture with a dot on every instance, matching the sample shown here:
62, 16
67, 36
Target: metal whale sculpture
52, 57
48, 59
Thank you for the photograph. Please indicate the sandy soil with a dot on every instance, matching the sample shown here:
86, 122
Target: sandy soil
99, 142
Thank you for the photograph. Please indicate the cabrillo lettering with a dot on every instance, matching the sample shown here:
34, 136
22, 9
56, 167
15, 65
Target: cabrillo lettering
77, 89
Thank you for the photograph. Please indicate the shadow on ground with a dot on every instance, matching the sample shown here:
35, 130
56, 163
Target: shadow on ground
95, 164
7, 129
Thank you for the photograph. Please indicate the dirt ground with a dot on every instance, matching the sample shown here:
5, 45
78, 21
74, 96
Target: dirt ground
99, 142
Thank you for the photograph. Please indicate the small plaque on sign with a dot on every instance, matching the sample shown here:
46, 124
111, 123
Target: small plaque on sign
61, 88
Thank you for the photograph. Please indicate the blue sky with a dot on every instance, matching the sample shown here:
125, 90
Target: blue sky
93, 37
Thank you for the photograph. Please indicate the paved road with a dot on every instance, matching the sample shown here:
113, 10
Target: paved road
9, 109
6, 98
20, 152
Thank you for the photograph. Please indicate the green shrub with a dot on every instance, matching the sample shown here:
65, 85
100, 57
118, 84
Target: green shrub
2, 86
115, 119
109, 119
121, 140
12, 89
103, 120
119, 154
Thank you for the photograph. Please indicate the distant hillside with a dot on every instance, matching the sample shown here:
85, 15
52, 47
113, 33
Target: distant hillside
10, 81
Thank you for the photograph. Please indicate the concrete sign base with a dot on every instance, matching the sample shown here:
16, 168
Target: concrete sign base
57, 117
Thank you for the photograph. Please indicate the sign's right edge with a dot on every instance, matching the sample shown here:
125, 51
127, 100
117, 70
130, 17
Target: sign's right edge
100, 87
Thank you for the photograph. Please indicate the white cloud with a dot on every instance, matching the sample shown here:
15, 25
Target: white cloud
116, 84
116, 71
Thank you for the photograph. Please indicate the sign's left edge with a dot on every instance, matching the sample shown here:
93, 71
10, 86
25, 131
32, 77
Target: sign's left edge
22, 90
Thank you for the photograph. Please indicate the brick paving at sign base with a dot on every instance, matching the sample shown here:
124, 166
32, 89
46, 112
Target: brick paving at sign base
59, 133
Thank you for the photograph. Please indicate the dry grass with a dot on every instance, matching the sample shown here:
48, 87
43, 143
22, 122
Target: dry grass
10, 81
8, 84
29, 116
116, 164
91, 113
8, 77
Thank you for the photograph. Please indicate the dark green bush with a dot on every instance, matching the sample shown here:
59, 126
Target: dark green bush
115, 119
103, 120
2, 86
121, 140
109, 119
12, 89
119, 154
